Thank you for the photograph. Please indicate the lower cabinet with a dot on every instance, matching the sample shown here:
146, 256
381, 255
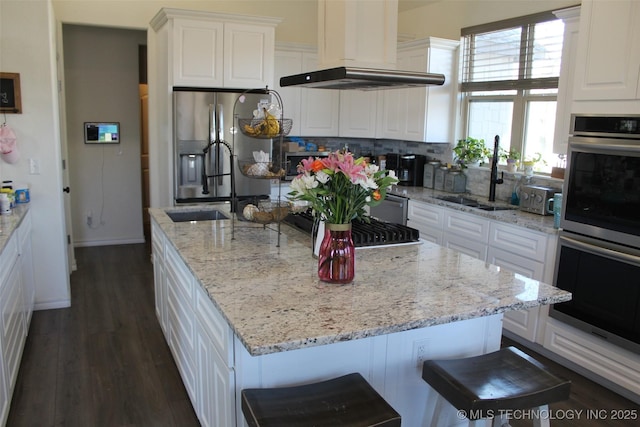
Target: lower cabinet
197, 334
518, 249
16, 305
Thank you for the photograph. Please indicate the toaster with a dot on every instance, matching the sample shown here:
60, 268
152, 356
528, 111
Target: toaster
533, 198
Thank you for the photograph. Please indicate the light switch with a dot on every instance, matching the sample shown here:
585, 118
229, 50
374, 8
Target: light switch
34, 167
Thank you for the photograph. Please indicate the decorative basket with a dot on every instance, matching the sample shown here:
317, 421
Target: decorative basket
266, 212
265, 128
260, 170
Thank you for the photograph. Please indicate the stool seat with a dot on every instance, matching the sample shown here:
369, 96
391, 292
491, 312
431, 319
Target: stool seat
348, 400
503, 380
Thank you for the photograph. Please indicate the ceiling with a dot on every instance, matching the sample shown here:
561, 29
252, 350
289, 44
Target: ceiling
404, 5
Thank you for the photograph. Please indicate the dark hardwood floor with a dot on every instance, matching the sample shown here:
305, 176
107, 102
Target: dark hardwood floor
104, 361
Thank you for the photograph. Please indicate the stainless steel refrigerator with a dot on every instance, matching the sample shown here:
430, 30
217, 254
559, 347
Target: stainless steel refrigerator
207, 146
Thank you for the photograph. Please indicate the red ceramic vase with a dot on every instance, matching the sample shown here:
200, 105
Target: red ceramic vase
337, 255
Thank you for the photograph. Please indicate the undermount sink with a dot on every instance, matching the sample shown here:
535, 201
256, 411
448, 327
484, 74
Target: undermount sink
196, 215
473, 203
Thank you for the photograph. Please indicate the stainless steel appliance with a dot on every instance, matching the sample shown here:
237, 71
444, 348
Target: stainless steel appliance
533, 198
393, 209
598, 257
207, 145
293, 159
409, 168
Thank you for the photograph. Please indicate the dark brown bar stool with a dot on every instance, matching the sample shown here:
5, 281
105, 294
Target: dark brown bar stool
493, 385
344, 401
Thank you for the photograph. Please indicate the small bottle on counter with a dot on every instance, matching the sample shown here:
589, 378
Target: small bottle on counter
5, 204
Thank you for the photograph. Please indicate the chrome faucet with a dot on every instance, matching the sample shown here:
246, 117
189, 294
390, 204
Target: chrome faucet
494, 171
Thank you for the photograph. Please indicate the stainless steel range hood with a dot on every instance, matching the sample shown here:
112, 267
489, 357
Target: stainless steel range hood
357, 49
361, 79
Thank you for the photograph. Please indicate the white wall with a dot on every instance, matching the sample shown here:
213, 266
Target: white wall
27, 38
101, 84
300, 24
445, 18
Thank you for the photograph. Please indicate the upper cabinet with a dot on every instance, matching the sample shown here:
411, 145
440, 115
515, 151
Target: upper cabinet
204, 49
422, 114
571, 19
608, 56
315, 112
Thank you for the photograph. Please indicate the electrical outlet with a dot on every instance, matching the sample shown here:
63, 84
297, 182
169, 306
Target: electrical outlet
89, 218
421, 351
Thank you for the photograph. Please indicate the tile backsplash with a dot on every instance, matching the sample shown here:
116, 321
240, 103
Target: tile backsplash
477, 177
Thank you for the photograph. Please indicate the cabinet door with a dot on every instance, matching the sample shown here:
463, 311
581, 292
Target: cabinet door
464, 245
13, 326
428, 219
4, 393
197, 53
159, 280
608, 57
26, 269
216, 385
289, 62
248, 55
319, 107
358, 113
181, 319
402, 111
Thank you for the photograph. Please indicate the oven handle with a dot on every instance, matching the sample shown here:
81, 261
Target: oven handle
596, 249
584, 145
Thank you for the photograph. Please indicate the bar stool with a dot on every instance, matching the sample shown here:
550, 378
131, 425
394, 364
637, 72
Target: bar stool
348, 400
493, 385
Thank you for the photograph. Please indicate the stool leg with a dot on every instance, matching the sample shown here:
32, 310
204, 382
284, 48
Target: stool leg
437, 412
542, 421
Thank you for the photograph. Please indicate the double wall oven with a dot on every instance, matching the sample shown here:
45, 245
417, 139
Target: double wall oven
599, 242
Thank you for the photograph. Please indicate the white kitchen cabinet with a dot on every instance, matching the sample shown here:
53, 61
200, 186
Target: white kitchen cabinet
159, 280
204, 49
216, 380
422, 114
571, 19
320, 108
199, 337
530, 254
289, 62
428, 219
315, 112
16, 306
520, 250
181, 322
358, 113
608, 56
26, 268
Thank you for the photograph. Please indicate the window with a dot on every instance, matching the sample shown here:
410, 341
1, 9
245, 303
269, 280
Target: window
510, 83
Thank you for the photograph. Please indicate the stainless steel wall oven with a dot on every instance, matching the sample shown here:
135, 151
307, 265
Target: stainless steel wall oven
598, 258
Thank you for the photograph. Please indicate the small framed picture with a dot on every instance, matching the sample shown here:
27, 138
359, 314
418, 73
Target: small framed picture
10, 101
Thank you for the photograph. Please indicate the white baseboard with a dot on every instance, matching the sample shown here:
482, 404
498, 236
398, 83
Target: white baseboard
110, 242
50, 305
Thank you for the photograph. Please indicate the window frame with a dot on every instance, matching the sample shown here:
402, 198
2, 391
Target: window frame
522, 86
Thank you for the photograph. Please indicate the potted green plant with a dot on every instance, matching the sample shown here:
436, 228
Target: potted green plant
470, 151
530, 161
511, 157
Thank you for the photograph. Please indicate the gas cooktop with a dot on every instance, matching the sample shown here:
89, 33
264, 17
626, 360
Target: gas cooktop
373, 233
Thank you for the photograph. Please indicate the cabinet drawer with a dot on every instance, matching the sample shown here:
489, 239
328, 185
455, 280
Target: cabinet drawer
214, 324
180, 276
157, 241
524, 242
466, 246
8, 257
13, 332
430, 215
470, 226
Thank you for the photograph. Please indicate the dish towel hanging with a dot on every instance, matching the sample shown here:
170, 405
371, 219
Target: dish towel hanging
8, 150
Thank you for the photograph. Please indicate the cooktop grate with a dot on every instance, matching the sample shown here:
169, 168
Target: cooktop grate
373, 233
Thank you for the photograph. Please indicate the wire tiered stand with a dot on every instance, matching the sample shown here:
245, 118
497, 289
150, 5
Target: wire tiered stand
269, 127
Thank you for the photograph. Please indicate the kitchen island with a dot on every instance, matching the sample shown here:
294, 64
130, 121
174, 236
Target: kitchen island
243, 312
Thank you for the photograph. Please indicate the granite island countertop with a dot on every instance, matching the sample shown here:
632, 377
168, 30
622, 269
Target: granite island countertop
273, 300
